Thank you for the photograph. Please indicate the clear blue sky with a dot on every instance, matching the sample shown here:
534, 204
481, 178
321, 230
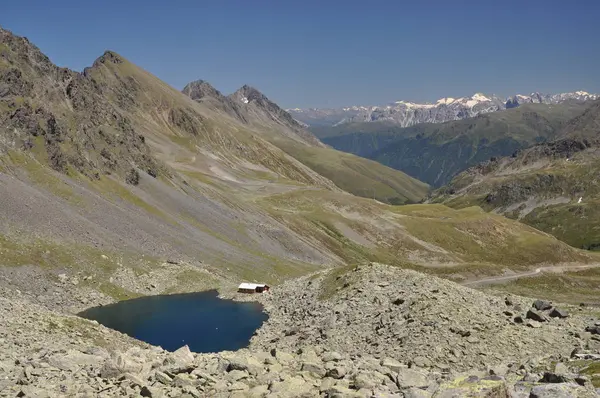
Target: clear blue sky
330, 53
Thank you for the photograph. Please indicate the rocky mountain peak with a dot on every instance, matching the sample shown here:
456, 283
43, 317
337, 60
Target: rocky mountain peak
200, 89
109, 57
248, 93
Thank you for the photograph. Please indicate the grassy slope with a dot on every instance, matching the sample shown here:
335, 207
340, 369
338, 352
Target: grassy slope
357, 175
431, 238
434, 153
542, 185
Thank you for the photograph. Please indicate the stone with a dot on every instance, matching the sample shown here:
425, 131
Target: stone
284, 358
593, 329
392, 364
408, 378
536, 315
335, 370
542, 305
422, 362
363, 380
558, 313
534, 324
414, 392
180, 361
183, 380
294, 386
163, 378
342, 392
147, 392
238, 386
331, 356
258, 391
133, 379
236, 375
313, 368
563, 390
116, 366
73, 360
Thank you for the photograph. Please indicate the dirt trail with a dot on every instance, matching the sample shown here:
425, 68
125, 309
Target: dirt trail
537, 271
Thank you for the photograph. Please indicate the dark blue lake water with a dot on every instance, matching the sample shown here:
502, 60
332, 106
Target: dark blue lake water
201, 320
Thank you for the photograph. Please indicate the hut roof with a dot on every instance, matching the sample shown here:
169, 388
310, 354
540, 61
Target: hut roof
252, 286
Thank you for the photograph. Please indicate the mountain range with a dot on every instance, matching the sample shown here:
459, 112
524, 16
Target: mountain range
406, 113
436, 152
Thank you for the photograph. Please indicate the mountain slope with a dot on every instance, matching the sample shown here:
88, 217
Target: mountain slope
435, 153
350, 173
551, 186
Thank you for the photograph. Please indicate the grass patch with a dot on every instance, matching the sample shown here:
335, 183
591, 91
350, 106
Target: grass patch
568, 287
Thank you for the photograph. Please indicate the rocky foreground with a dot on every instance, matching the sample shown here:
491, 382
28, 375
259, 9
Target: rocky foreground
372, 331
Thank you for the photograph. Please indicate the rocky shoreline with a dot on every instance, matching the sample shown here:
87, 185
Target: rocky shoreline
372, 331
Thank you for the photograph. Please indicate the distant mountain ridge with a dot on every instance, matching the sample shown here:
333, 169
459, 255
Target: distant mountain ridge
436, 152
406, 113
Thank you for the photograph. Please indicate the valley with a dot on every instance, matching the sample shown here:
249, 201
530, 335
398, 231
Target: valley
116, 186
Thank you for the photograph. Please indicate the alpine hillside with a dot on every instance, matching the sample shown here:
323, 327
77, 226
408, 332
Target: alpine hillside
552, 186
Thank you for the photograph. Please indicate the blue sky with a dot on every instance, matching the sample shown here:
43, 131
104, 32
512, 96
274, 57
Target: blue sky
330, 53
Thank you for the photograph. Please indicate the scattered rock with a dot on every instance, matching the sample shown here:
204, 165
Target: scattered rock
542, 305
536, 315
558, 313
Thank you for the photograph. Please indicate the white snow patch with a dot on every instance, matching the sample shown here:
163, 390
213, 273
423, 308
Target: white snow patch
414, 105
245, 100
445, 101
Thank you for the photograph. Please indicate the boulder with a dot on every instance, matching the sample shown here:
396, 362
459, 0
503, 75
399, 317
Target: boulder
563, 390
163, 378
367, 380
314, 368
335, 370
293, 386
416, 393
331, 356
536, 315
408, 378
180, 361
593, 329
421, 362
236, 375
74, 360
392, 364
116, 366
542, 305
558, 313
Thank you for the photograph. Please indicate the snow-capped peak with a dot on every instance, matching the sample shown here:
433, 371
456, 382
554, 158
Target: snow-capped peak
445, 101
583, 93
413, 104
480, 97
